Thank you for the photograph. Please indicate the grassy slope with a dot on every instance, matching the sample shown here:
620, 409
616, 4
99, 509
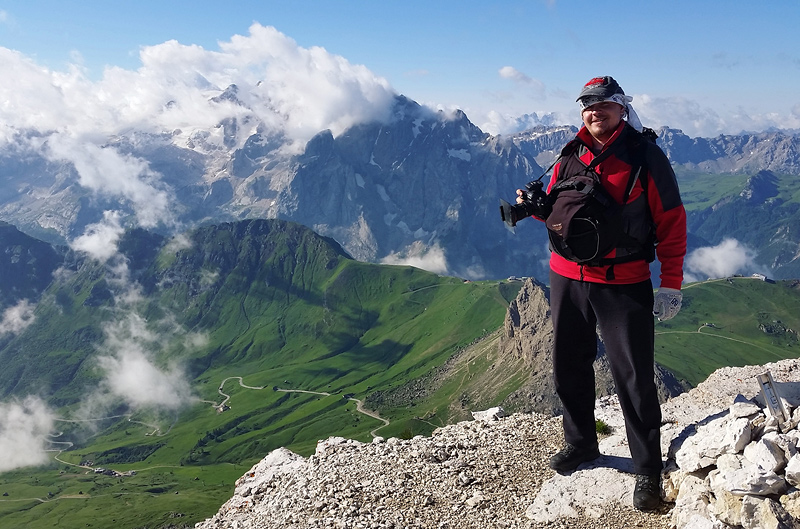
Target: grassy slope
344, 332
730, 322
702, 190
260, 419
771, 228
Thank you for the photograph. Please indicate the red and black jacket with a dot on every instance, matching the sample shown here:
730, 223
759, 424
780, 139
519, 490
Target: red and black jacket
664, 204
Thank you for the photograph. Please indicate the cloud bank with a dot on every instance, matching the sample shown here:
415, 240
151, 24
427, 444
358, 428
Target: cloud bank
131, 373
17, 318
24, 427
299, 90
99, 240
723, 260
131, 357
536, 97
431, 259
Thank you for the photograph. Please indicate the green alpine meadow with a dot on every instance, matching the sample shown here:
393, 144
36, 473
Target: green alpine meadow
258, 334
162, 374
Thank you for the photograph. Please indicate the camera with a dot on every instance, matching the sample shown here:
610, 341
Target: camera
535, 203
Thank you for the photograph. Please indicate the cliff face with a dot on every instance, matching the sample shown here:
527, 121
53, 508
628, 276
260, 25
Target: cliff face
492, 472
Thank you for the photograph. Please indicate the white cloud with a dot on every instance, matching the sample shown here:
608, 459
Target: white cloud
24, 427
109, 173
130, 372
509, 72
678, 112
696, 120
281, 87
100, 239
497, 123
130, 359
537, 87
133, 377
432, 260
17, 318
179, 242
301, 90
724, 260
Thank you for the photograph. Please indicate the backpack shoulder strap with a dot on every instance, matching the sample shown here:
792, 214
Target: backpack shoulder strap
568, 150
637, 146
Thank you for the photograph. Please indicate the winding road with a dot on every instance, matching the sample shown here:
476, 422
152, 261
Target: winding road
359, 403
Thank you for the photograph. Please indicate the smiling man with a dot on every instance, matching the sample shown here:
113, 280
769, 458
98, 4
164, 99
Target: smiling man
612, 289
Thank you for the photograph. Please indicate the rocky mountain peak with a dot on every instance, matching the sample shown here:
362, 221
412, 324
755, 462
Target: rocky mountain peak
231, 94
760, 187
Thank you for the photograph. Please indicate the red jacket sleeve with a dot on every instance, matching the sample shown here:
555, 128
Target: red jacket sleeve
669, 217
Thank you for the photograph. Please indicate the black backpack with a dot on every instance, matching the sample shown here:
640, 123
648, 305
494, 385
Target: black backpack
586, 223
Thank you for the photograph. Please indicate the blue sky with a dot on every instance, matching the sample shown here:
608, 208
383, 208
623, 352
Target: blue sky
704, 67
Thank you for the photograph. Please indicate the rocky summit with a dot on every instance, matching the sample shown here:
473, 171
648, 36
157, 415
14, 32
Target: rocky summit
729, 464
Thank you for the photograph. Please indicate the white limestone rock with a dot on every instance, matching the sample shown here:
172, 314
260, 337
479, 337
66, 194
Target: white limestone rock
791, 503
792, 471
279, 461
672, 481
720, 436
743, 407
691, 505
786, 441
765, 513
726, 507
597, 486
492, 414
738, 475
767, 454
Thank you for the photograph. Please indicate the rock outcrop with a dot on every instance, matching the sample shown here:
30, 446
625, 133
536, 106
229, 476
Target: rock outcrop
728, 466
739, 466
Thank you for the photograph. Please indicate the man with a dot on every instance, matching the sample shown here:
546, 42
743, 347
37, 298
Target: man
615, 296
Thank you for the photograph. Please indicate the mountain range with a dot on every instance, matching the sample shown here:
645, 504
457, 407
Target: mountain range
420, 187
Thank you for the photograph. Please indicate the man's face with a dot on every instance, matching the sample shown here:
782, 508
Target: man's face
602, 119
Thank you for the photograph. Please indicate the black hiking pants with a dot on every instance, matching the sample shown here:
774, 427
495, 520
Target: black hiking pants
624, 316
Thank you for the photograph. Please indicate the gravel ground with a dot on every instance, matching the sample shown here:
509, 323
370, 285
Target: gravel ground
474, 474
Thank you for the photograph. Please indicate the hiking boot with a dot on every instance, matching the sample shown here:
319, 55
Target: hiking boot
570, 457
647, 493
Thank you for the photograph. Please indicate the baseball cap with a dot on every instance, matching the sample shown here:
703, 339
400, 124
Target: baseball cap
600, 89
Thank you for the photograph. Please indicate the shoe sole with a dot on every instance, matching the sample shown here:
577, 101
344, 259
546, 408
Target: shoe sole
648, 508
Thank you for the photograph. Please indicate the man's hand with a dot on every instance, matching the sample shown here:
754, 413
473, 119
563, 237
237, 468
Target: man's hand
667, 303
536, 204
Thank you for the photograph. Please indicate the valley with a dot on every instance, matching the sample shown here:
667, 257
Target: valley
175, 366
